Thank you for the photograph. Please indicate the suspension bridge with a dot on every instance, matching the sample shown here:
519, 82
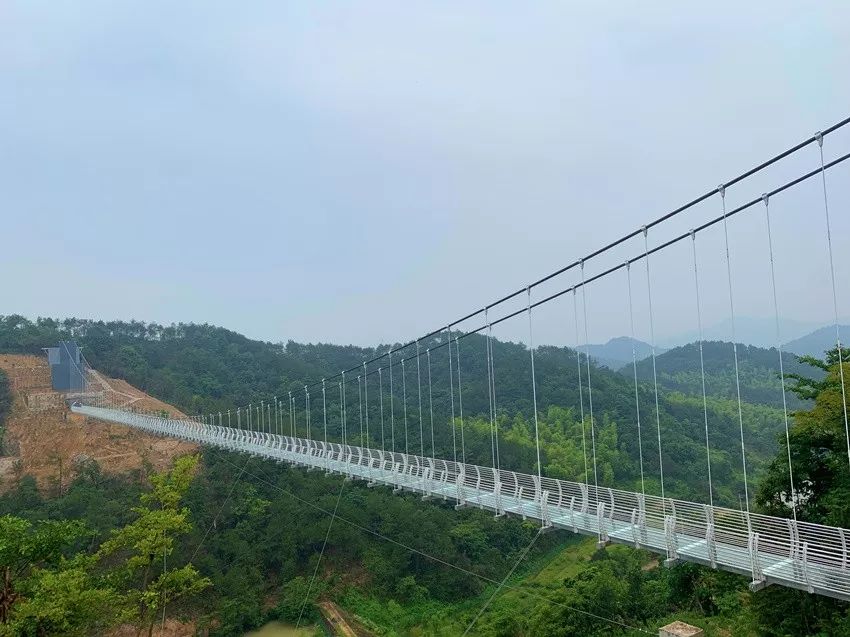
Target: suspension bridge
769, 550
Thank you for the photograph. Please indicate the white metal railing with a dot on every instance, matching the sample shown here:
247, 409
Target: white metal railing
768, 549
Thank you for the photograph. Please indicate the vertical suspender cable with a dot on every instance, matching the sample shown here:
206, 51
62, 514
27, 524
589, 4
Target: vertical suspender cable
819, 138
452, 394
341, 417
493, 393
460, 400
580, 390
634, 369
654, 367
325, 411
308, 413
534, 401
419, 396
766, 200
702, 369
404, 405
360, 406
722, 190
291, 416
431, 409
490, 389
344, 415
589, 387
366, 400
392, 400
381, 404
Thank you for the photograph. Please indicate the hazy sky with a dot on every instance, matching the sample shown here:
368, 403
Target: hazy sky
366, 171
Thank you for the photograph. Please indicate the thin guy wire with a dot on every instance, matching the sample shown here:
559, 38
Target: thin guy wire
504, 579
589, 390
735, 350
221, 507
321, 553
634, 368
819, 138
433, 558
702, 372
781, 362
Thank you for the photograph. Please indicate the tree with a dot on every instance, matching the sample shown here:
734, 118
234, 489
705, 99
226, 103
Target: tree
818, 447
25, 547
149, 540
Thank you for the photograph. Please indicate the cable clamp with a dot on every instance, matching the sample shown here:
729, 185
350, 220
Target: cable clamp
765, 197
644, 230
628, 265
819, 138
722, 190
693, 234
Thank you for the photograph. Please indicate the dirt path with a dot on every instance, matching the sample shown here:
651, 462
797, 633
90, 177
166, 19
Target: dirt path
336, 620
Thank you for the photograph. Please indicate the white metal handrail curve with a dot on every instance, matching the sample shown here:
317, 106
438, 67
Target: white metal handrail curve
770, 550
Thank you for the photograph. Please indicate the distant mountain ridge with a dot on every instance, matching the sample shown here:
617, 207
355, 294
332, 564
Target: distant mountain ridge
817, 342
618, 352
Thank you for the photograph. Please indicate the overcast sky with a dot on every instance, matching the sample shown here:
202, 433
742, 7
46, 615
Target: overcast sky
362, 172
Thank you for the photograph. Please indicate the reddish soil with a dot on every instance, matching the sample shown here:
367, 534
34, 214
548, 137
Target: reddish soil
44, 439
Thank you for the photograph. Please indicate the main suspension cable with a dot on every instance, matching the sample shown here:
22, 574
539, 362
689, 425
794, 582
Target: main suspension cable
635, 233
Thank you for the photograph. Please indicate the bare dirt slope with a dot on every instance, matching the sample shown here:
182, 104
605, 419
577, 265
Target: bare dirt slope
44, 439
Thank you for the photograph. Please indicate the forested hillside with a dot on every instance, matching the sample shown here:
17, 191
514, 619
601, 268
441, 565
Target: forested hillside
758, 372
205, 369
404, 566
